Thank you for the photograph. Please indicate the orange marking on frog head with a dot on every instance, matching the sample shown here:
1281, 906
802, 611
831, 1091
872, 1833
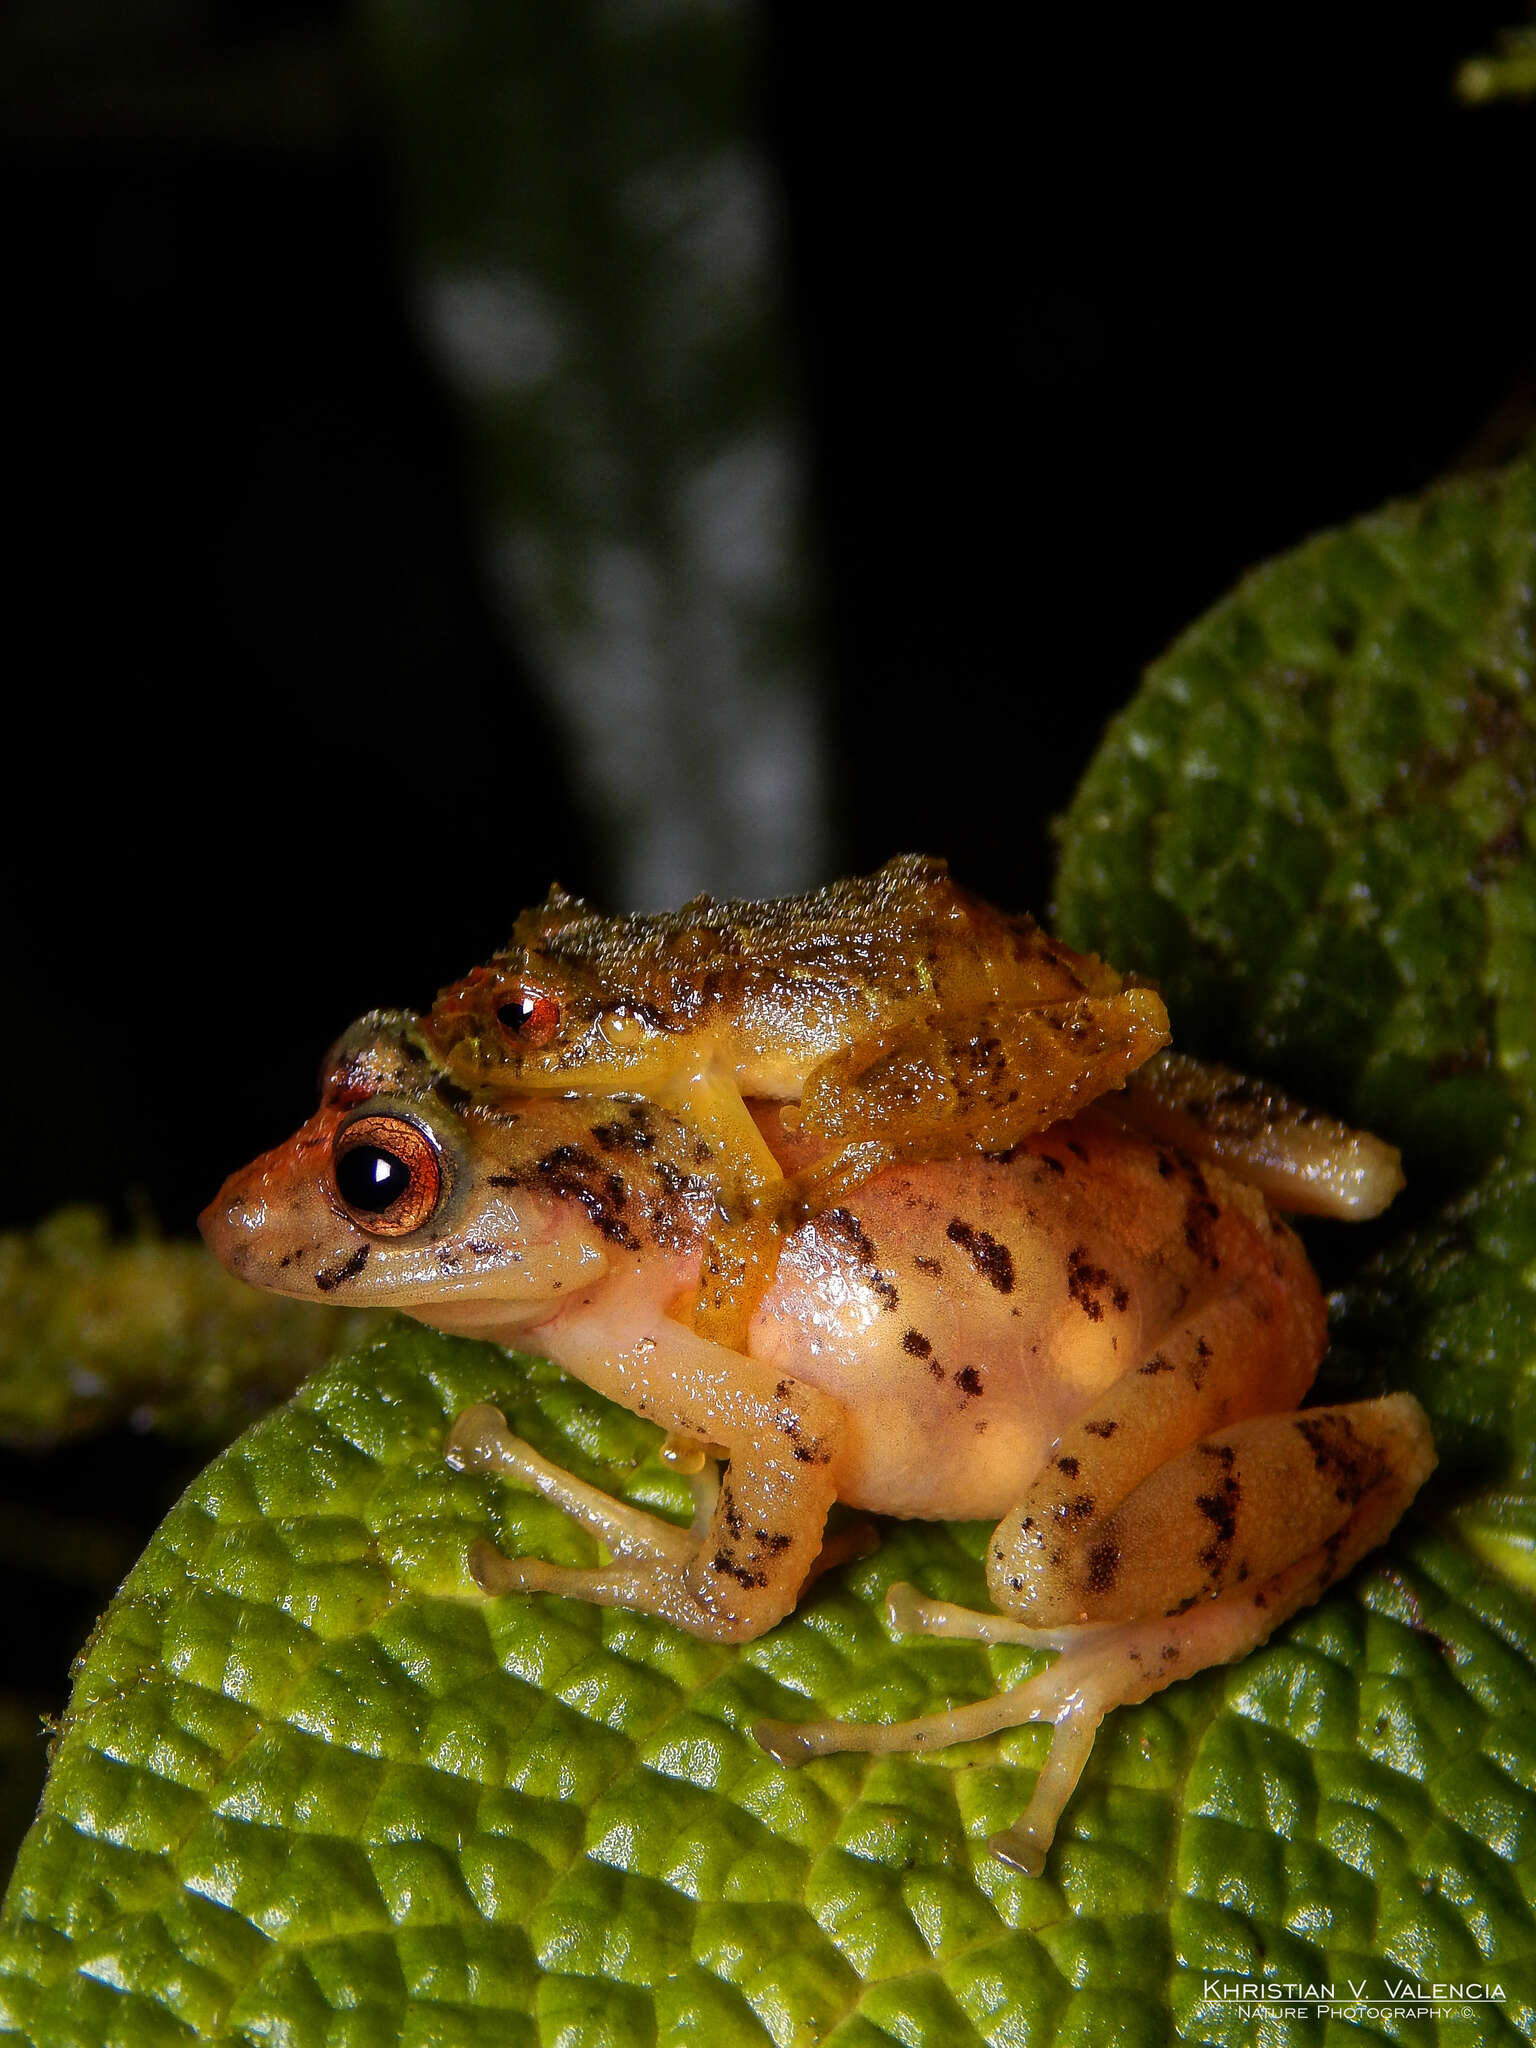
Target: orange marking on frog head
494, 1013
347, 1085
289, 1182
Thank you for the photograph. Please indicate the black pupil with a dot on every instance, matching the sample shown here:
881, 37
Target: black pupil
515, 1015
371, 1179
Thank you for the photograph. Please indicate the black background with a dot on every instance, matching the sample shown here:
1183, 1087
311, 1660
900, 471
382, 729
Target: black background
1095, 310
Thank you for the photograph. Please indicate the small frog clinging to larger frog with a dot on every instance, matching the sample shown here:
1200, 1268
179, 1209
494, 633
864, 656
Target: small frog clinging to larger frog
1096, 1336
901, 1015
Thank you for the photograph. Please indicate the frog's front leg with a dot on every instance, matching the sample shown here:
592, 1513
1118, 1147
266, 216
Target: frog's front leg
743, 1253
757, 1538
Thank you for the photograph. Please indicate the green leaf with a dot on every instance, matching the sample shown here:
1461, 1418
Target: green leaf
313, 1788
311, 1781
1310, 825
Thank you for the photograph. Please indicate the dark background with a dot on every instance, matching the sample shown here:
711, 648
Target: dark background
1094, 311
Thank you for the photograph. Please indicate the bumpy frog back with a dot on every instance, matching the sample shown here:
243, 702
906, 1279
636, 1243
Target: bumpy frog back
843, 974
905, 1016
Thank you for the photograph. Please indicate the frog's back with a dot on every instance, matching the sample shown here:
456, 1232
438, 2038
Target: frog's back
867, 945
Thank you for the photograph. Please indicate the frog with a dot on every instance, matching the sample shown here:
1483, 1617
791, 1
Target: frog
900, 1015
1096, 1339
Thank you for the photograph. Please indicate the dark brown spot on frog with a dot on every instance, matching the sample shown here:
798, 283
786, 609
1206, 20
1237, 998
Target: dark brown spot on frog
723, 1562
1341, 1455
1155, 1364
1090, 1286
572, 1173
1200, 1216
993, 1261
1221, 1509
812, 1452
916, 1345
1048, 1159
1103, 1566
850, 1232
332, 1276
924, 1265
1067, 1465
1103, 1429
450, 1094
845, 1229
1078, 1151
969, 1381
630, 1133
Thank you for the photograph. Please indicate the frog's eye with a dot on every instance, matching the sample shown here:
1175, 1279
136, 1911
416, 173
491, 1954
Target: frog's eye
528, 1018
387, 1174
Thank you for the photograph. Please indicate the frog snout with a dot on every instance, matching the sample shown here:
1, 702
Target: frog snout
230, 1222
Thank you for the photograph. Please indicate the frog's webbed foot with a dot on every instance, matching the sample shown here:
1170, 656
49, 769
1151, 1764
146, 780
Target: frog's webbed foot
1099, 1668
1097, 1673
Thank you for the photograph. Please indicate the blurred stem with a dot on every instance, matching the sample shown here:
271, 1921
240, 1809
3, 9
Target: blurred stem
95, 1333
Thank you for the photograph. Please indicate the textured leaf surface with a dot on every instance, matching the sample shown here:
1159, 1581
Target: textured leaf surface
313, 1789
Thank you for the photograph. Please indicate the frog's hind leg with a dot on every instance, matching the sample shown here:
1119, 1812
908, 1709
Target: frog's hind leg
1301, 1160
1322, 1488
980, 1078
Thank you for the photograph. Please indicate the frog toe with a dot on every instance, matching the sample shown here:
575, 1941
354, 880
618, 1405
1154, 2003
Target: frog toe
480, 1441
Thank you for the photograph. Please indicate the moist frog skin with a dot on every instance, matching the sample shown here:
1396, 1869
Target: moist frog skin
903, 1016
1096, 1338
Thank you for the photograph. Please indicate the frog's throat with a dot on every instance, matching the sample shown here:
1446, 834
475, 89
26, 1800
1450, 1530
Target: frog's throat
535, 1283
